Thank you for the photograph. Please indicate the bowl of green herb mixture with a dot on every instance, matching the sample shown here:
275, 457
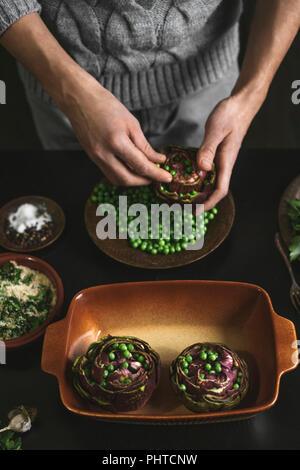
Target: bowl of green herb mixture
31, 295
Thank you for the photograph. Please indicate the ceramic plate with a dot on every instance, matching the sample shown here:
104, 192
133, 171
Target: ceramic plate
120, 250
53, 209
39, 265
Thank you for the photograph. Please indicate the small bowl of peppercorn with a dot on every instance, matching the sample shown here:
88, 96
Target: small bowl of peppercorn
30, 223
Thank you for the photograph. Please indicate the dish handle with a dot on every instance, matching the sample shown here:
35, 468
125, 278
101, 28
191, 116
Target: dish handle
286, 345
54, 348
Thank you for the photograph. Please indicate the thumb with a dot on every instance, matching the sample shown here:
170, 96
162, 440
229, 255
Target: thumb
208, 149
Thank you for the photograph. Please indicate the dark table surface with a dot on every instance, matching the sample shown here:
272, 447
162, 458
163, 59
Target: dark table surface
249, 255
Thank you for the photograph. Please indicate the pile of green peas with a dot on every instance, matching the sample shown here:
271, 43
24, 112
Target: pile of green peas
126, 351
145, 195
211, 366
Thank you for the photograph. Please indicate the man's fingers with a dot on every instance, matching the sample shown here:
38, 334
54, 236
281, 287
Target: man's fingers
213, 200
139, 163
226, 156
143, 145
117, 173
208, 149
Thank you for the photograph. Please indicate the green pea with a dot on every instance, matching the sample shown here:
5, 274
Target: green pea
123, 347
105, 374
173, 173
130, 347
186, 371
125, 365
167, 168
212, 357
240, 374
103, 383
182, 387
202, 376
218, 367
238, 380
126, 354
236, 386
127, 381
207, 366
188, 358
110, 368
112, 356
141, 358
211, 216
185, 364
212, 371
203, 356
166, 251
214, 210
115, 345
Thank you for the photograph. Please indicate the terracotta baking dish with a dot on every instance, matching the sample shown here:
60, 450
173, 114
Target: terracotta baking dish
171, 315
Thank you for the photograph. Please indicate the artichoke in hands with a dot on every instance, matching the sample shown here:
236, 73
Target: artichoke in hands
189, 184
118, 373
209, 377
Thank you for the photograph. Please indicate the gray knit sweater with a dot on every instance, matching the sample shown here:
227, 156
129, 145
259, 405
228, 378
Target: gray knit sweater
146, 52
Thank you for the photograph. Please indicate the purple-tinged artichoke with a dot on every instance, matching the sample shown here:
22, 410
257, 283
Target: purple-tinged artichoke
209, 377
189, 184
119, 373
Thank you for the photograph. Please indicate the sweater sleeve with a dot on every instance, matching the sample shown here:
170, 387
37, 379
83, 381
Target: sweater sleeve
13, 10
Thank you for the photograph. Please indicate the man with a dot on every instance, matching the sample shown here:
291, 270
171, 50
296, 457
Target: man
120, 77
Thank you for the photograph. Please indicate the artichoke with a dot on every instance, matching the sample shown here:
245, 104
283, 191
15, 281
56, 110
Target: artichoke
209, 377
189, 184
118, 373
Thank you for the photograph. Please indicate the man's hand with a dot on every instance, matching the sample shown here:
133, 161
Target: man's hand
224, 132
275, 24
112, 136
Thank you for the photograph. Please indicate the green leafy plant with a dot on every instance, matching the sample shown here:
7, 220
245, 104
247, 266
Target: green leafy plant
10, 441
294, 217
